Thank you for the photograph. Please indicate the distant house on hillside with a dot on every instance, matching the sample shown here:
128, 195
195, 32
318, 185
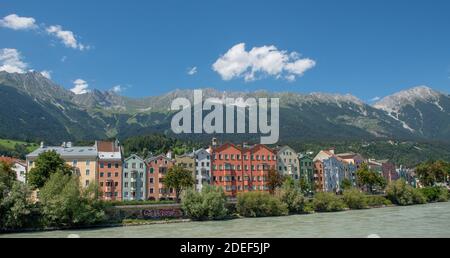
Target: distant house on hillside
19, 166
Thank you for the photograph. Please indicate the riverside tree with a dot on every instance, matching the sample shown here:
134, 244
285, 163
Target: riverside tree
431, 173
64, 203
179, 179
369, 179
274, 180
46, 165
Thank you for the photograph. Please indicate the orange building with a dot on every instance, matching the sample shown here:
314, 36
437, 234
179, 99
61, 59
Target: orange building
110, 168
319, 178
242, 169
157, 169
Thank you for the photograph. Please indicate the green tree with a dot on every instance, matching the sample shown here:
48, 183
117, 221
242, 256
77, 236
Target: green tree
16, 207
400, 193
328, 202
260, 204
179, 179
46, 165
430, 173
64, 203
7, 176
274, 180
291, 195
346, 184
209, 204
355, 199
369, 179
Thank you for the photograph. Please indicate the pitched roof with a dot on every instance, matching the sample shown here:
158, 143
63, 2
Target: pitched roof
64, 152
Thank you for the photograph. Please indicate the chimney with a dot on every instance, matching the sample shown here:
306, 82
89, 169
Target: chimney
214, 142
169, 155
42, 145
63, 144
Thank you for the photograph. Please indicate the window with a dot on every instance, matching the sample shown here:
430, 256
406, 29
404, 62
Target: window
126, 194
109, 165
117, 165
87, 183
116, 174
116, 184
125, 185
109, 174
102, 174
102, 165
125, 165
152, 170
116, 194
31, 163
75, 163
141, 175
88, 163
125, 175
88, 172
152, 180
133, 165
152, 190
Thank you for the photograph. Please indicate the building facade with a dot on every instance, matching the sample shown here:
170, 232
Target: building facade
288, 163
239, 169
18, 166
307, 170
319, 180
134, 179
83, 160
110, 169
203, 168
158, 167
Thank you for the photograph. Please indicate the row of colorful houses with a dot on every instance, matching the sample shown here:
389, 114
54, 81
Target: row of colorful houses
234, 168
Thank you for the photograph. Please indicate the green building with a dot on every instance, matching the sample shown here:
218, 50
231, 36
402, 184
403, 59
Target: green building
307, 170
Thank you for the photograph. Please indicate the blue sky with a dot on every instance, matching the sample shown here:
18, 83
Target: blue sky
367, 48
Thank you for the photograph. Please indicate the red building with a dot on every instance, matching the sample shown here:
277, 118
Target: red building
157, 169
110, 170
242, 169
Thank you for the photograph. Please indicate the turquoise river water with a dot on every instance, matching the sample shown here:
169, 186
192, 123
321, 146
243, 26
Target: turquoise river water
432, 220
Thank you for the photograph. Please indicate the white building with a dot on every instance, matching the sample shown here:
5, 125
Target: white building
202, 168
21, 171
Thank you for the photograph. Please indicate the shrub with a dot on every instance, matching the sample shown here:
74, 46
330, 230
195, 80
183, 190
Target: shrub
377, 201
402, 194
328, 202
292, 196
65, 204
435, 194
15, 208
355, 199
260, 204
209, 204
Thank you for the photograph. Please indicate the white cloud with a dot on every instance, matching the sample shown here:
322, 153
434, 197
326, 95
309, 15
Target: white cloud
47, 74
80, 87
192, 71
11, 61
375, 99
15, 22
67, 37
117, 88
261, 61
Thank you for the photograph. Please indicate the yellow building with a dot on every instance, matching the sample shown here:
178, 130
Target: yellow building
82, 159
186, 161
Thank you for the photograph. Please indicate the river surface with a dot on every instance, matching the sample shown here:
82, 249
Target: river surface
432, 220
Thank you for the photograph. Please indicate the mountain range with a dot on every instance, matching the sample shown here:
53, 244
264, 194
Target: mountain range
35, 108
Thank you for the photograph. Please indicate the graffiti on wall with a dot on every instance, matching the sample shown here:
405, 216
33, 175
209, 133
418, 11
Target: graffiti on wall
161, 213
